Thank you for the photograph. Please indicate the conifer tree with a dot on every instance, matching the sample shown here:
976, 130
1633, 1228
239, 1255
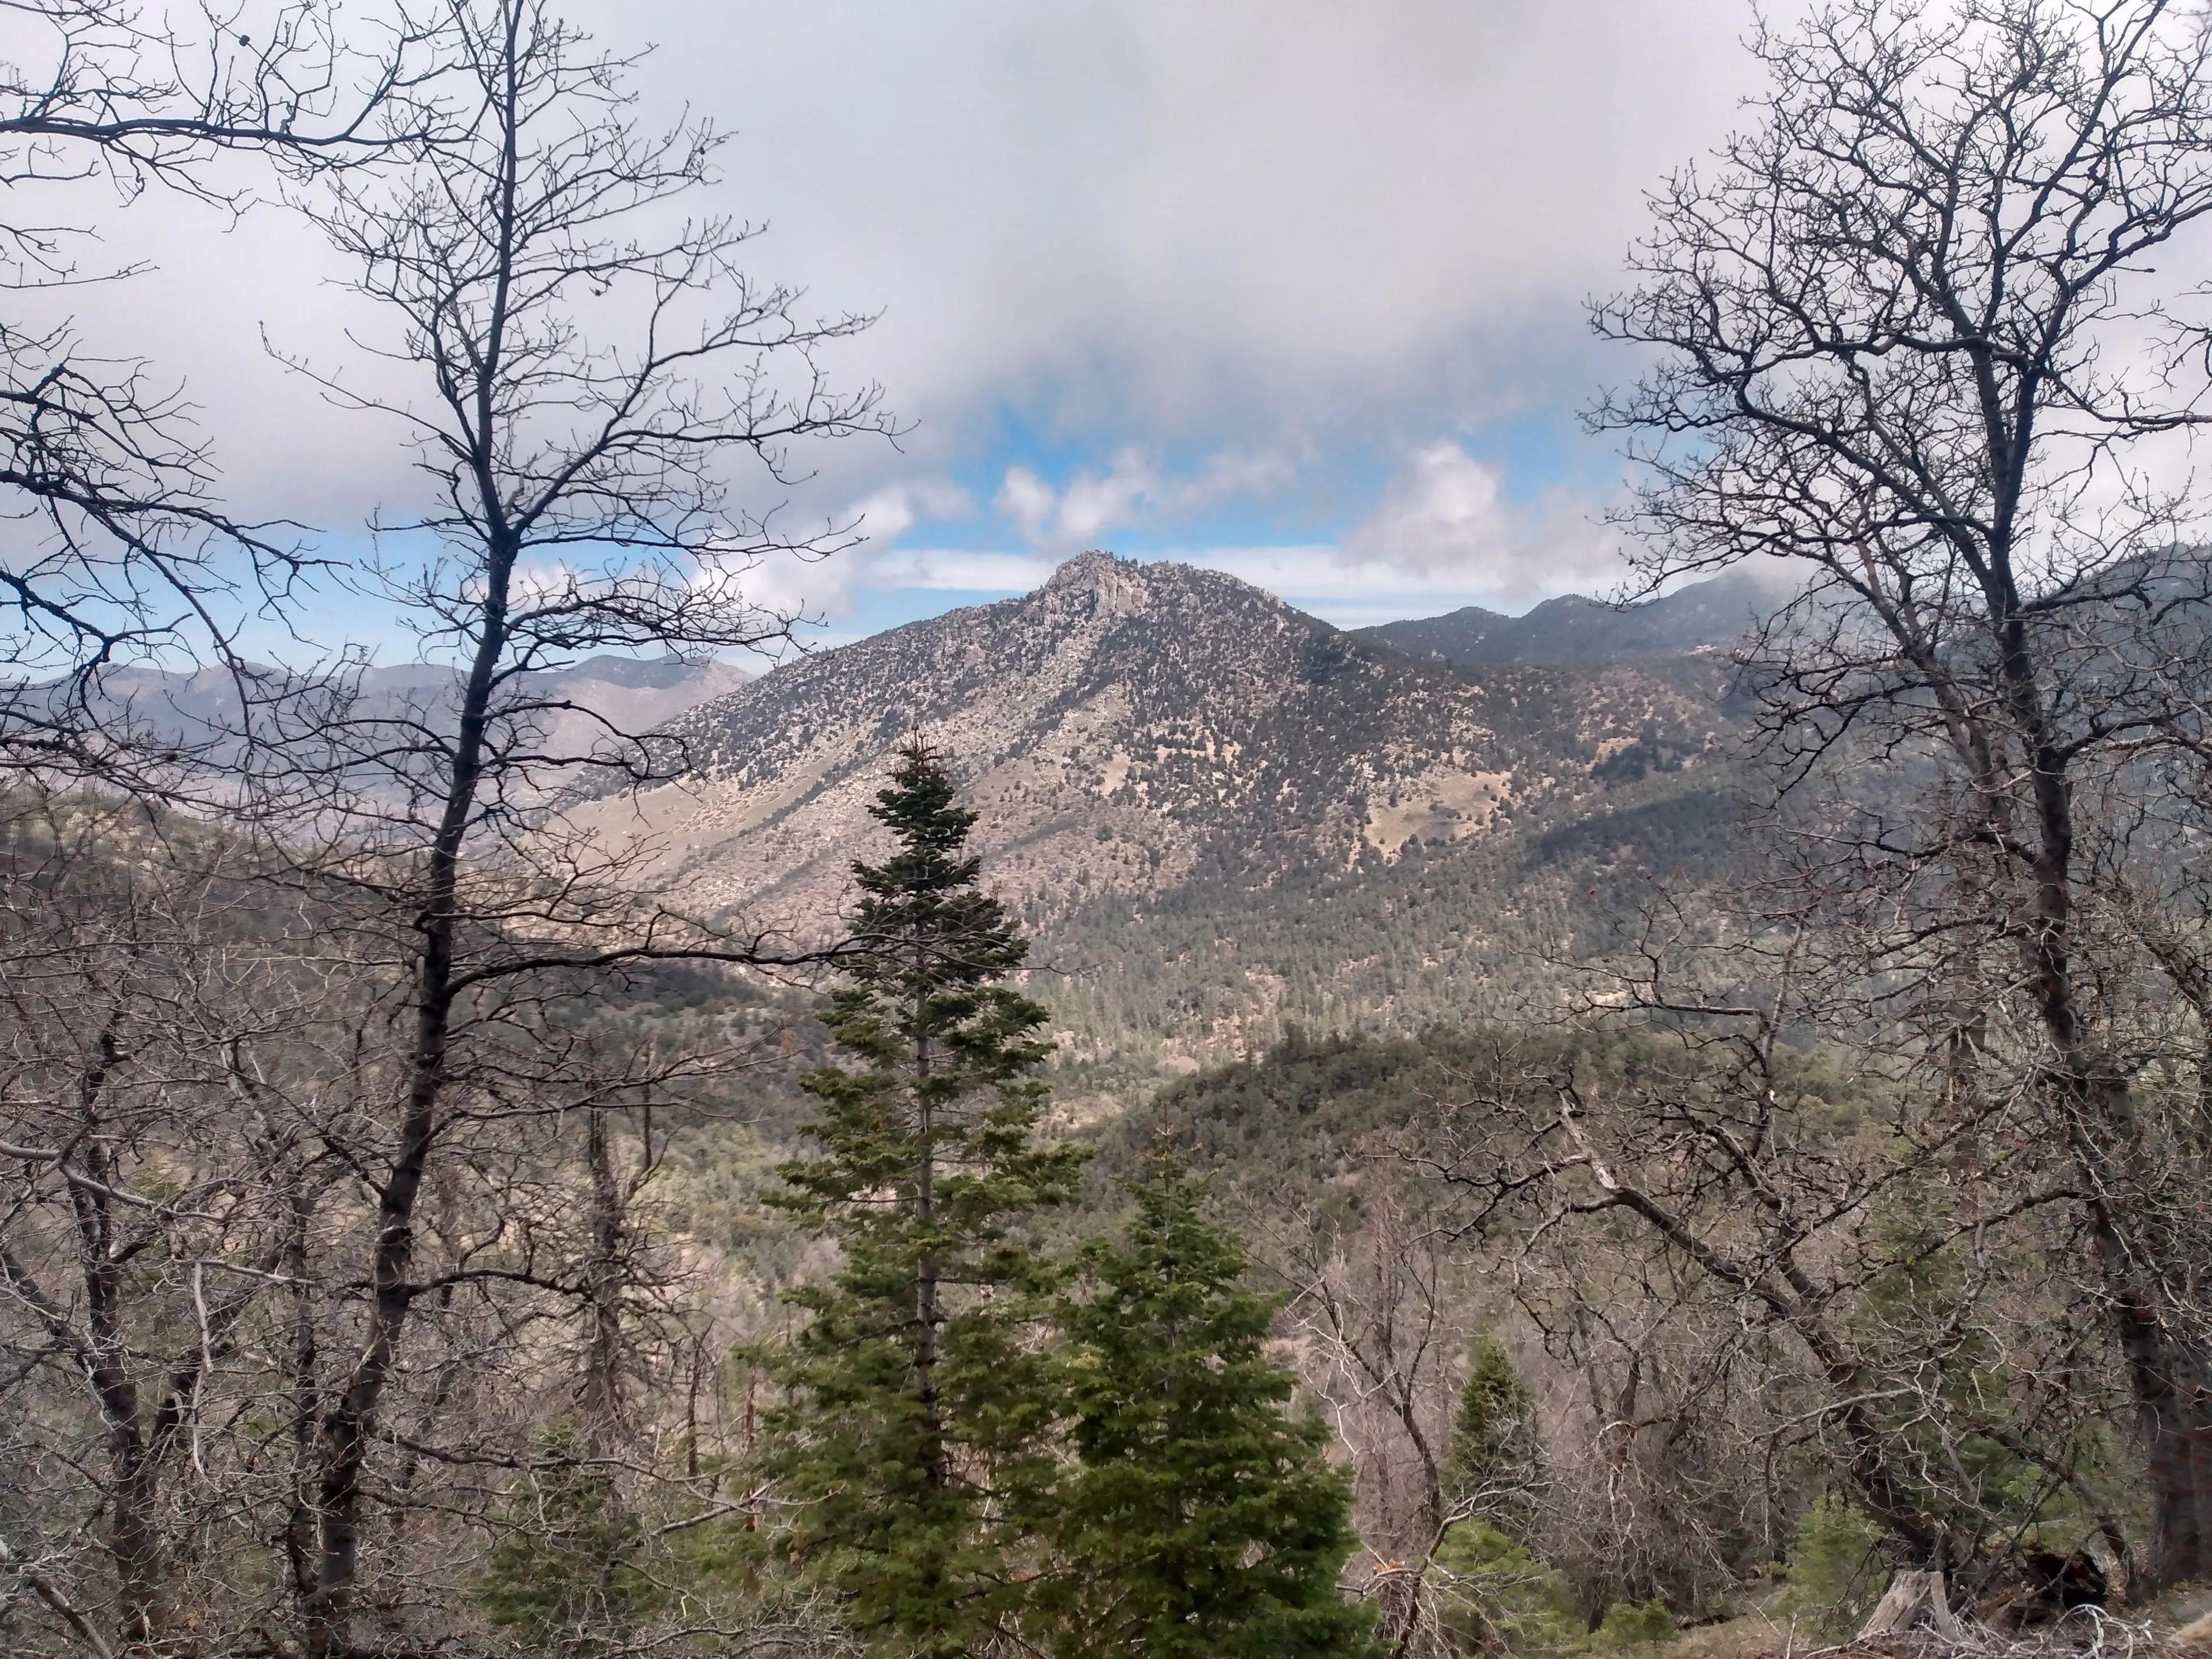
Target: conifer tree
1201, 1518
917, 1437
566, 1580
1494, 1462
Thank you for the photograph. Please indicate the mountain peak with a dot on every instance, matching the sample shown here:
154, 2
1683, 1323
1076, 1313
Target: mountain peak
1126, 729
1089, 570
1115, 587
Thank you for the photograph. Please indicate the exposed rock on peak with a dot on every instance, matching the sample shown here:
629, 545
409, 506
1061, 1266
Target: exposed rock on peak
1128, 728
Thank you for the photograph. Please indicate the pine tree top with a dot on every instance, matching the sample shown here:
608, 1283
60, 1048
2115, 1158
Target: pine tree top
926, 929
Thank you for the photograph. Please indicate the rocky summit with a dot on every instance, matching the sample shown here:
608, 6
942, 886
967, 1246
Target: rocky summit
1141, 734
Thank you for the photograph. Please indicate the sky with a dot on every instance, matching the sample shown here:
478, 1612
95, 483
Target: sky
1290, 289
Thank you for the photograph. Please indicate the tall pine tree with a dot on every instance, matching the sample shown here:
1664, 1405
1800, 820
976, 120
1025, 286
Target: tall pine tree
917, 1437
1201, 1520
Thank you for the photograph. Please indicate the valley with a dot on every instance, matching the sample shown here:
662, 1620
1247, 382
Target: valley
542, 1117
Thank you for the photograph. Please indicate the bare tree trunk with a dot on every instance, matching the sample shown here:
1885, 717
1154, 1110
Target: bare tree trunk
602, 1282
134, 1540
301, 1379
2164, 1346
344, 1433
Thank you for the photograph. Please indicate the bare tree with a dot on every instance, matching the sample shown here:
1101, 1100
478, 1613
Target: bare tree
335, 1204
1905, 336
1377, 1316
581, 503
160, 1181
1760, 1255
121, 554
197, 1081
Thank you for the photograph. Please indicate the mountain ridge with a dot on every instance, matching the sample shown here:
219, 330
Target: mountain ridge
1575, 631
632, 694
1143, 739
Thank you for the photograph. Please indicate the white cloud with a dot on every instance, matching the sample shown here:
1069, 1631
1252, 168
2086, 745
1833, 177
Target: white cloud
888, 513
1444, 533
960, 572
1029, 500
1133, 493
1303, 572
1090, 506
1232, 221
1445, 507
1255, 221
1274, 230
1446, 518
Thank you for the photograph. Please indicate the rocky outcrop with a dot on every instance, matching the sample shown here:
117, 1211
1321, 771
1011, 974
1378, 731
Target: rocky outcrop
1128, 728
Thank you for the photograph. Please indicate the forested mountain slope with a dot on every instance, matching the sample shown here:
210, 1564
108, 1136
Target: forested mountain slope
1216, 810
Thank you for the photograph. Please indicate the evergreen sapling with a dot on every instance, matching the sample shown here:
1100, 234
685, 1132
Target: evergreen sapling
1201, 1520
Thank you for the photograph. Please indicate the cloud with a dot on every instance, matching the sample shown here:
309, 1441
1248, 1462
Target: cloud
888, 513
1204, 222
955, 572
826, 586
1446, 517
1090, 506
1151, 221
1133, 493
1443, 533
1321, 572
1289, 237
1029, 500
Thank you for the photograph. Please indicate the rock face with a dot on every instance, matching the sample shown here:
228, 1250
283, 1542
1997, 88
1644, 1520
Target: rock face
1130, 729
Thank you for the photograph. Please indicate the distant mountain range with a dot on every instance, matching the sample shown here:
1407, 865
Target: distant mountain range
633, 694
1573, 632
1216, 812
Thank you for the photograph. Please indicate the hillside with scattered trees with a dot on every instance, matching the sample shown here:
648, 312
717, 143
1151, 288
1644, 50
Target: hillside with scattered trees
1126, 1121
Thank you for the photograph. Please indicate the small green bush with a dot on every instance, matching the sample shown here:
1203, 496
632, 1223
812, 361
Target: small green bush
1628, 1623
565, 1577
1838, 1564
1497, 1594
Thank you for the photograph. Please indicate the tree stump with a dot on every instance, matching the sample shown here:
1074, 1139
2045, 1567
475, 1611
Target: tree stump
1913, 1601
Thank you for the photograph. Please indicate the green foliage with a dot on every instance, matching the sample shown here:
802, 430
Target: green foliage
1635, 1624
1493, 1464
1918, 1307
1497, 1594
1295, 1117
916, 1429
1838, 1561
565, 1577
1201, 1520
